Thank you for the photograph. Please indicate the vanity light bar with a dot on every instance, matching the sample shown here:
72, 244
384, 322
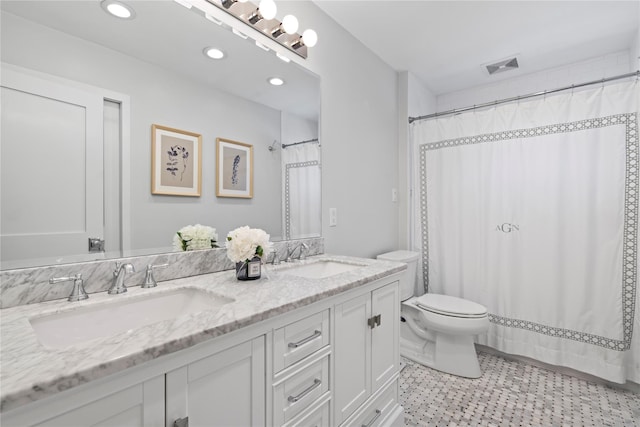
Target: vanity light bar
251, 15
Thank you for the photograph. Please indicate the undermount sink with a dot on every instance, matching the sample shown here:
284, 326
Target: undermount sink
320, 269
61, 330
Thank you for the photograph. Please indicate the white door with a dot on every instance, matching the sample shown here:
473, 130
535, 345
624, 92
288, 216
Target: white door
225, 389
51, 170
385, 357
352, 355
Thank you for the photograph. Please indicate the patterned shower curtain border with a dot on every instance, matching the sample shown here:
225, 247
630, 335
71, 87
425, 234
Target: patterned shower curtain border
630, 241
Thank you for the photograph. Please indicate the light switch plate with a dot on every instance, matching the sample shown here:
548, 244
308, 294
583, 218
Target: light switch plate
333, 217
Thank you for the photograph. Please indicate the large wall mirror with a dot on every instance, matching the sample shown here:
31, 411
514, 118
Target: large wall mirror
72, 73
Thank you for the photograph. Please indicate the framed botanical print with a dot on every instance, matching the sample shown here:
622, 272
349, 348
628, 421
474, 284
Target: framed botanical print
176, 162
234, 177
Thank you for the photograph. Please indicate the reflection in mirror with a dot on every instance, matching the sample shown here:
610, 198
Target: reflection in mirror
66, 64
301, 178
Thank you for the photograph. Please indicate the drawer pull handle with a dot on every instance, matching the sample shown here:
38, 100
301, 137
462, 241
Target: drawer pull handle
315, 335
373, 420
303, 393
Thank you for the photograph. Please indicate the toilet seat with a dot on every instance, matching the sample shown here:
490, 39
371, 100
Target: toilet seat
450, 306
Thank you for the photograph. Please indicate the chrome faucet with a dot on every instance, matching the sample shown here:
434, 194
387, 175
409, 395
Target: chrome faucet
78, 293
303, 255
149, 279
119, 274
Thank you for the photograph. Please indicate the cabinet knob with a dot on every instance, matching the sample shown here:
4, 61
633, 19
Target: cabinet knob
375, 321
181, 422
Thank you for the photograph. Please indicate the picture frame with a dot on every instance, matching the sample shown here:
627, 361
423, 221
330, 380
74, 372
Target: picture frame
176, 162
234, 175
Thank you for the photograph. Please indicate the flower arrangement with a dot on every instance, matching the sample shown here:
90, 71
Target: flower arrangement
244, 243
194, 237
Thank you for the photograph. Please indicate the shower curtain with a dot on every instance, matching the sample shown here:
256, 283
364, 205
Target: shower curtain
301, 188
531, 209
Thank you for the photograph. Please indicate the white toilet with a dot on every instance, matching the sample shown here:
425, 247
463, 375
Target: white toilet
437, 330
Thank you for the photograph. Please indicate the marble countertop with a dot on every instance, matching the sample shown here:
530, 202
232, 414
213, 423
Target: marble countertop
30, 371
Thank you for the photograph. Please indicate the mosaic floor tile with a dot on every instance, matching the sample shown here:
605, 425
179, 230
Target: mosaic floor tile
511, 393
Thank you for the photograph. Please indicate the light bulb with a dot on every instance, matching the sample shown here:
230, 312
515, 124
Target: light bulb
309, 38
268, 9
214, 53
290, 24
117, 9
276, 81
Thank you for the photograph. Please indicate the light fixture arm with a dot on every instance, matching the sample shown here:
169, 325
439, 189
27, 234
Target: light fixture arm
277, 31
255, 17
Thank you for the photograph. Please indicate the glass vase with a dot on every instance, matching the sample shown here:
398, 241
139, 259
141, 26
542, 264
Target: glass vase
249, 270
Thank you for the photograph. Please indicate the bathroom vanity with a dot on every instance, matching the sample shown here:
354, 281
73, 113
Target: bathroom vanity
310, 343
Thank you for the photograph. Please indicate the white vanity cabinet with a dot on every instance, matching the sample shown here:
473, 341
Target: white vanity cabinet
301, 366
366, 355
224, 389
115, 402
332, 362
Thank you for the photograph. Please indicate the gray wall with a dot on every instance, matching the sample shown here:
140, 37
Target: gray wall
359, 134
414, 100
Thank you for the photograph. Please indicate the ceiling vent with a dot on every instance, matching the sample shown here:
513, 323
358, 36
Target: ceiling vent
505, 65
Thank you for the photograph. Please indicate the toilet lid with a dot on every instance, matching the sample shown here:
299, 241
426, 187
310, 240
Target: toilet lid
450, 306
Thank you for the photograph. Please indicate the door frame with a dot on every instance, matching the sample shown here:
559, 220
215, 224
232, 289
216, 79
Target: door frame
124, 155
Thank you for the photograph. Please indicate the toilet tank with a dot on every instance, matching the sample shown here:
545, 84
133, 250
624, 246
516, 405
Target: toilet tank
408, 280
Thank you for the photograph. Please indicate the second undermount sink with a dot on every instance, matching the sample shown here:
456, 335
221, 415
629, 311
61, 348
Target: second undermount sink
320, 269
60, 330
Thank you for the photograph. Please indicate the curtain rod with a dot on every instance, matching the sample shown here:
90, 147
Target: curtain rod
517, 98
301, 142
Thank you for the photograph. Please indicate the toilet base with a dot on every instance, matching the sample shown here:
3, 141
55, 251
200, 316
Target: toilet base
452, 354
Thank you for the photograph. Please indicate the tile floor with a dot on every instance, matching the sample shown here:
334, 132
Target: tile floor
511, 393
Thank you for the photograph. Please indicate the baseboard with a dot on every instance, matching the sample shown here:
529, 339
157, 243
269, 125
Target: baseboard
629, 385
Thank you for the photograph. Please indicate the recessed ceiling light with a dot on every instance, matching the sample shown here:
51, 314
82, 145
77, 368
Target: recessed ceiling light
276, 81
118, 9
213, 53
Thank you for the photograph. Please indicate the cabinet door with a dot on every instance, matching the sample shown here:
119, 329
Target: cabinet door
224, 389
385, 355
139, 405
353, 355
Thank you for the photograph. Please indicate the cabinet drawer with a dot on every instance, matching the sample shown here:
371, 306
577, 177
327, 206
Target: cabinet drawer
376, 412
297, 392
318, 417
299, 339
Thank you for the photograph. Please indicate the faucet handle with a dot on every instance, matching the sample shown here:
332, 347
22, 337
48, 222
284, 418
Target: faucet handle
78, 293
303, 251
117, 269
276, 259
149, 279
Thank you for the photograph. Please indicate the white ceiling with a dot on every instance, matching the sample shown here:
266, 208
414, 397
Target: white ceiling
446, 43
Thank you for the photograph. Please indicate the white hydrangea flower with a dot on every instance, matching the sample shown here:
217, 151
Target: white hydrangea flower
244, 243
194, 237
